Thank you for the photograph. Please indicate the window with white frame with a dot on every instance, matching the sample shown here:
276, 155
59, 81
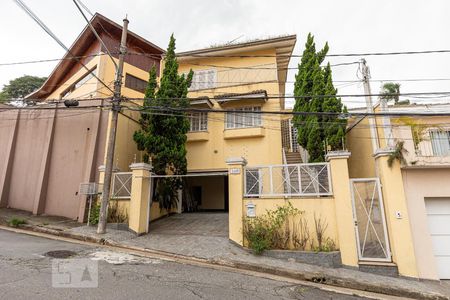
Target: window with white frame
198, 121
440, 142
203, 79
243, 117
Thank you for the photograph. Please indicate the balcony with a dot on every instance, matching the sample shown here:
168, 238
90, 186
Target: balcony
428, 147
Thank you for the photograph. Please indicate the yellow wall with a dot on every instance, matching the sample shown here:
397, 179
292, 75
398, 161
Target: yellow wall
256, 145
361, 163
322, 208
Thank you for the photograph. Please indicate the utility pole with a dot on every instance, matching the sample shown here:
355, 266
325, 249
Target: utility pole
367, 91
112, 132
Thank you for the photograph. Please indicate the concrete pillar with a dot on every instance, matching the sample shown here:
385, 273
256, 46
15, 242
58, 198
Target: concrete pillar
343, 206
235, 198
138, 217
8, 133
396, 211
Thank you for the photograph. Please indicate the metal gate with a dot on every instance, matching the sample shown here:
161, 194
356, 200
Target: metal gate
369, 219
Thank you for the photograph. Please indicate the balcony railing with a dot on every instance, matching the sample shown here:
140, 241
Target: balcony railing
288, 180
430, 147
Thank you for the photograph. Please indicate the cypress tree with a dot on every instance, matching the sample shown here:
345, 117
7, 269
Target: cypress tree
163, 137
303, 87
311, 81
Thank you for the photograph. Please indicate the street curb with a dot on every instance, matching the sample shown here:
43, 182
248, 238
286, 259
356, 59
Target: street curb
316, 277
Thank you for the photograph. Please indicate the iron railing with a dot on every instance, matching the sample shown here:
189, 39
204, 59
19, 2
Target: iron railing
287, 180
121, 185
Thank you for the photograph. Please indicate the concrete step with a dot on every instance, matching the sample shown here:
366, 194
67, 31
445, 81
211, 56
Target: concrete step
380, 268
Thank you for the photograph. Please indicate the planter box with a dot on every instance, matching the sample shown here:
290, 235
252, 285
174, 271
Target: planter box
324, 259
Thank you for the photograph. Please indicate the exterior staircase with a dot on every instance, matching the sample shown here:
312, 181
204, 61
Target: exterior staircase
292, 157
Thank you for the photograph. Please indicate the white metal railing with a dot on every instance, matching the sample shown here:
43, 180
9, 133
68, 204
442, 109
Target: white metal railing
121, 185
286, 180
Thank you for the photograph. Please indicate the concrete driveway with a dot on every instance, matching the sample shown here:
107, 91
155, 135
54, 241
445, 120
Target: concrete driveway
204, 224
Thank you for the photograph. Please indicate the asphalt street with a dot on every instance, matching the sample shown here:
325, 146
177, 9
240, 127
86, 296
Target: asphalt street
26, 273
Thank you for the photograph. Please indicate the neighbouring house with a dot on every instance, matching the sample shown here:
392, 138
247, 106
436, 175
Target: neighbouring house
48, 149
421, 199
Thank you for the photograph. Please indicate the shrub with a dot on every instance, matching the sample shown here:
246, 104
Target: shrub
115, 215
16, 222
286, 228
271, 230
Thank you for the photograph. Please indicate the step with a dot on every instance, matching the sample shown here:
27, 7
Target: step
380, 268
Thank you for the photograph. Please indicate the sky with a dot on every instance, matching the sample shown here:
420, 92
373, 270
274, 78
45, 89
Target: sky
349, 26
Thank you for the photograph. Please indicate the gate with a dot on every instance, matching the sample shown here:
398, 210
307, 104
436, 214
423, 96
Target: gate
369, 219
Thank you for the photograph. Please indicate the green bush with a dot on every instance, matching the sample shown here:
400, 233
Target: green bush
16, 222
114, 214
270, 230
95, 214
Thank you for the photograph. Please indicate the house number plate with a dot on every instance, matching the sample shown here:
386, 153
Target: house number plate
235, 171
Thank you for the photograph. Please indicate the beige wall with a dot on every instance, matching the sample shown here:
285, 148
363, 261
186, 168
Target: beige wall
52, 152
420, 184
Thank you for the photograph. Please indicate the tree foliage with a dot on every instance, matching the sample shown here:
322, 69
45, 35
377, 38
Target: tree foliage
20, 87
163, 137
312, 81
390, 91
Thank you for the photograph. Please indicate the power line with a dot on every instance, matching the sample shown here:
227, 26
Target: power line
279, 96
293, 113
93, 31
54, 37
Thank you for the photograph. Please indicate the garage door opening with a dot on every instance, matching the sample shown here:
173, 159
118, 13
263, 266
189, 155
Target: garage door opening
438, 215
205, 194
202, 208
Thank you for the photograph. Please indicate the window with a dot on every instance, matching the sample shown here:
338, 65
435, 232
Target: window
135, 83
243, 120
440, 142
198, 121
204, 79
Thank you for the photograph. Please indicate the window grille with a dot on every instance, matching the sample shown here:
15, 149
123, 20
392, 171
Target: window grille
236, 119
203, 79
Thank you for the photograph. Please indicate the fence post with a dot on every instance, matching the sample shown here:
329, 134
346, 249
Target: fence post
139, 201
396, 212
236, 198
343, 206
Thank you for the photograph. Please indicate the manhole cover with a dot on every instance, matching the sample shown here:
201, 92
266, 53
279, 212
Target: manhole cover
60, 254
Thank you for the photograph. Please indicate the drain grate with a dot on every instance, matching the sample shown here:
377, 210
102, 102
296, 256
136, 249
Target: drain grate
60, 254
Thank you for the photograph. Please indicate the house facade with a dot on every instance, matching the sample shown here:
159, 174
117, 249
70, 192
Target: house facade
424, 174
50, 149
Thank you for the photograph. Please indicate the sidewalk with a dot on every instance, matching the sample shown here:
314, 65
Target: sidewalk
219, 250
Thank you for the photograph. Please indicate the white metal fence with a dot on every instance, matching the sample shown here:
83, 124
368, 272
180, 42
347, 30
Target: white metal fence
121, 185
311, 179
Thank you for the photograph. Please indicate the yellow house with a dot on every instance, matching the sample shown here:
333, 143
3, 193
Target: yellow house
415, 188
238, 77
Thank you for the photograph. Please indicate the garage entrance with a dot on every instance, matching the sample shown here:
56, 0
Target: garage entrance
202, 209
206, 193
438, 217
